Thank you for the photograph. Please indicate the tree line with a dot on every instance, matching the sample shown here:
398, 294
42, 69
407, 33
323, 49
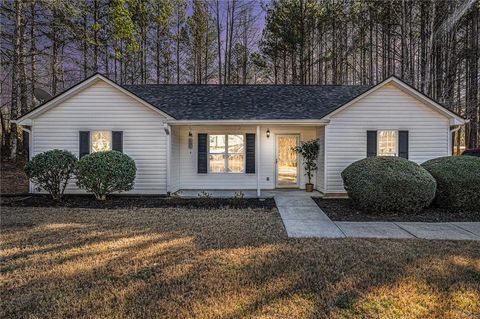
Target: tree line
52, 44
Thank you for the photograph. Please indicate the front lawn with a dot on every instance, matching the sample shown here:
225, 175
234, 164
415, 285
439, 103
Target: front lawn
187, 263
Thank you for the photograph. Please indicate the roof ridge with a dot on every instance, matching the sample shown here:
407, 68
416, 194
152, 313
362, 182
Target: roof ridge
251, 85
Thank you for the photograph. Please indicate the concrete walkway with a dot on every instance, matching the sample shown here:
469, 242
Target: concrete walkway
303, 218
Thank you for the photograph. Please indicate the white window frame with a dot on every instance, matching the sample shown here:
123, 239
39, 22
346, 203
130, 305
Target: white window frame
396, 142
226, 153
91, 139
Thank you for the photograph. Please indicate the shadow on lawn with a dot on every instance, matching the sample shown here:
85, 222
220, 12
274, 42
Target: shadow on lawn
221, 264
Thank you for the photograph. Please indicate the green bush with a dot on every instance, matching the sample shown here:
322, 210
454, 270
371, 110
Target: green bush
238, 200
472, 152
458, 181
103, 173
51, 171
388, 185
205, 199
309, 151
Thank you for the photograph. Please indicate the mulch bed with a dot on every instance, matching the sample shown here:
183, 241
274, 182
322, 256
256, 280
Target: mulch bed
129, 201
344, 210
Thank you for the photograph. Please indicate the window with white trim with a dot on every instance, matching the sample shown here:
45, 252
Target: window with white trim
226, 153
387, 143
101, 141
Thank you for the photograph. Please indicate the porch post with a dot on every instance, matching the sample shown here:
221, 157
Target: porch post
168, 131
257, 159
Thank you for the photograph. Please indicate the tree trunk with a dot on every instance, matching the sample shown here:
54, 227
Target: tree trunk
17, 46
230, 41
472, 87
95, 35
33, 50
157, 53
219, 44
85, 45
55, 48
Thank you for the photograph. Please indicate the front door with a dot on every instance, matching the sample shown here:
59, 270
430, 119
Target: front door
287, 161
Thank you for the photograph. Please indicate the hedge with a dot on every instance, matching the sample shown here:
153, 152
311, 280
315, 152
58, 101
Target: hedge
388, 185
103, 173
51, 171
458, 181
472, 152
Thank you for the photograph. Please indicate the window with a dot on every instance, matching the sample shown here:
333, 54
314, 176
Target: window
226, 153
101, 141
387, 143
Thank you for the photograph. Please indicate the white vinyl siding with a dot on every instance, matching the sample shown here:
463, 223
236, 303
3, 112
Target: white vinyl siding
190, 179
387, 108
101, 107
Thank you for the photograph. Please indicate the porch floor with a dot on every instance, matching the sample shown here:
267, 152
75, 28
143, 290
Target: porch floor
251, 193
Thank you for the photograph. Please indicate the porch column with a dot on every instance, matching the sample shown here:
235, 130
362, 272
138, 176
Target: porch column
257, 159
168, 131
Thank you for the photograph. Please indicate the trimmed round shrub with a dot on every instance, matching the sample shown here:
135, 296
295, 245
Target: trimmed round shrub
51, 171
472, 152
103, 173
458, 181
388, 185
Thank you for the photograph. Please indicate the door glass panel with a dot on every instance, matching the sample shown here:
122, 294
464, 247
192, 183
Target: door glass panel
287, 163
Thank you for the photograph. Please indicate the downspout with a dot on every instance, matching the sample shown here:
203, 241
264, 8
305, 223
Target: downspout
450, 138
169, 153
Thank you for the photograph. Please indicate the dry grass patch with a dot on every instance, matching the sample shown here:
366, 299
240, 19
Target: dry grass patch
186, 263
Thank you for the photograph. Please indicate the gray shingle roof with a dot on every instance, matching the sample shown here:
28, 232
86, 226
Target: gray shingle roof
246, 102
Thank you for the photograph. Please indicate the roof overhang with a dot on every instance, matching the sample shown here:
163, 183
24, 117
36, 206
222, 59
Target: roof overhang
455, 119
26, 118
248, 122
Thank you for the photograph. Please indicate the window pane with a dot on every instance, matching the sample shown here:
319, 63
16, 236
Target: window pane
235, 143
217, 144
217, 163
387, 143
235, 163
101, 141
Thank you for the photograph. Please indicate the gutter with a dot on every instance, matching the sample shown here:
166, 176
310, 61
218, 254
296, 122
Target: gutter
247, 122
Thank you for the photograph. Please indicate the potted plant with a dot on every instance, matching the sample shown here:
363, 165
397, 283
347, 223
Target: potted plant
309, 152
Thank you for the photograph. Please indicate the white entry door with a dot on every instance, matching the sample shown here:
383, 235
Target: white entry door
287, 168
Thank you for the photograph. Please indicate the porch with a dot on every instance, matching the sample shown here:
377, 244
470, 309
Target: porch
298, 193
254, 159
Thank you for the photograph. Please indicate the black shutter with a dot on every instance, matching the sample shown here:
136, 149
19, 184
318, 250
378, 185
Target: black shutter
403, 144
84, 148
26, 144
250, 153
371, 143
117, 141
202, 153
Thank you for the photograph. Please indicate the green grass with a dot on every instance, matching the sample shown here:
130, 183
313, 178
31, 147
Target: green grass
181, 263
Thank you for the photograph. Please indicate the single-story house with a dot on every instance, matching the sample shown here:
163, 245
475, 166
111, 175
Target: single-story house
240, 137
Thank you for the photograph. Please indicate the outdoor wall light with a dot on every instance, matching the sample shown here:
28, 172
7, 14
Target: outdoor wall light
190, 140
268, 133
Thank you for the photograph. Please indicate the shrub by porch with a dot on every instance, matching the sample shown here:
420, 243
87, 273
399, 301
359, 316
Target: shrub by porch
388, 184
458, 181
